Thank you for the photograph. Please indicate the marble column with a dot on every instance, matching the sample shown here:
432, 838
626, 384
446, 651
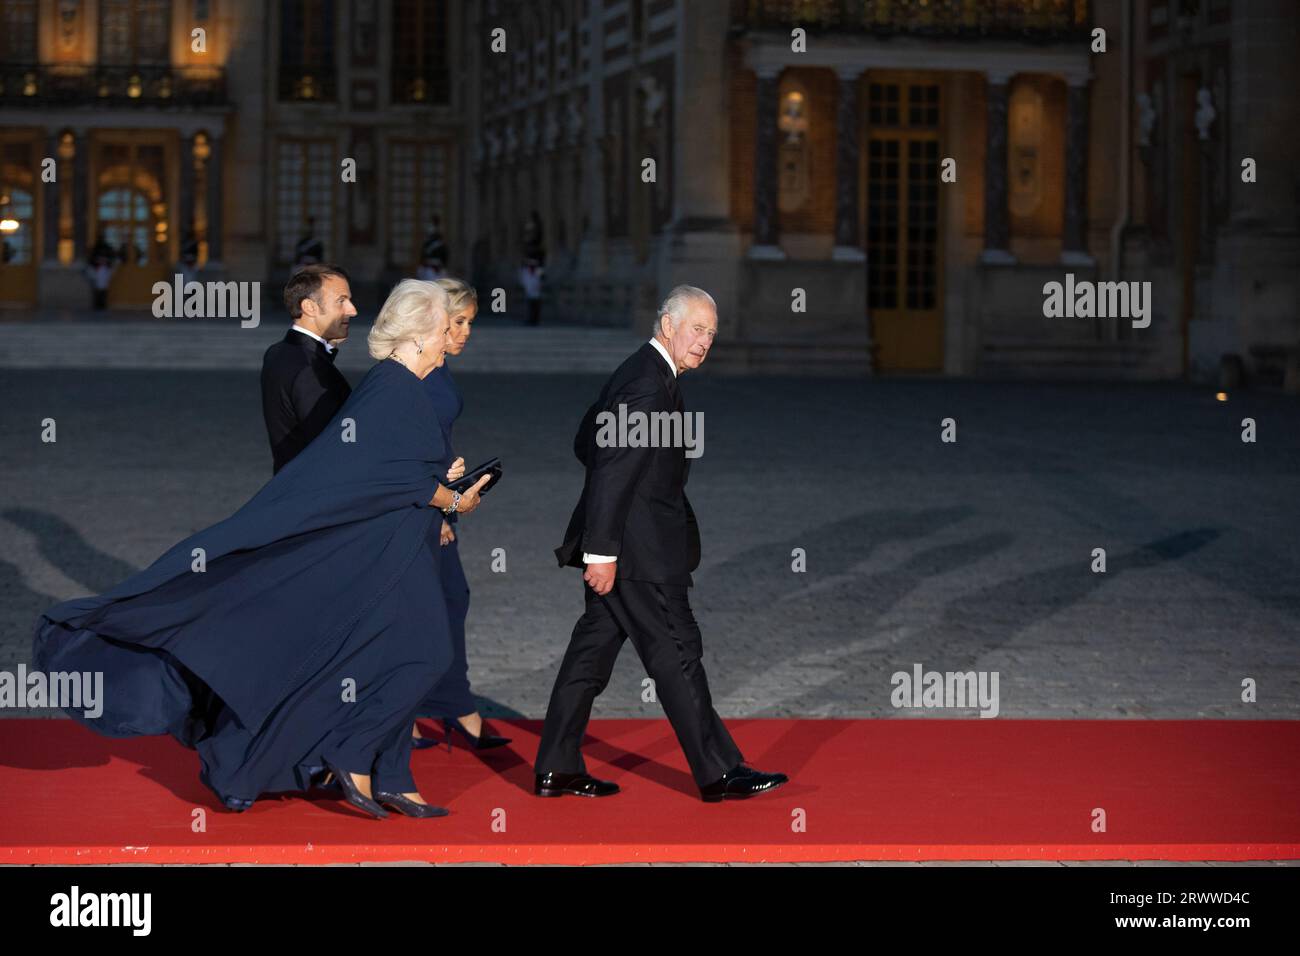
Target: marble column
51, 193
766, 184
848, 240
1074, 239
213, 199
997, 228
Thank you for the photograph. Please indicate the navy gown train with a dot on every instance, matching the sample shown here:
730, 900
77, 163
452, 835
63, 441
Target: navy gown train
316, 626
451, 697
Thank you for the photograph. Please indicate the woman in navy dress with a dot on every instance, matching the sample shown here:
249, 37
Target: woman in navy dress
451, 699
298, 636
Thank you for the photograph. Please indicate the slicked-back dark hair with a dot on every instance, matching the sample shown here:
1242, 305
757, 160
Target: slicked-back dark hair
306, 283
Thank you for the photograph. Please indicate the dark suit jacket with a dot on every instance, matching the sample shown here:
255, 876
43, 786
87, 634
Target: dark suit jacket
633, 502
301, 392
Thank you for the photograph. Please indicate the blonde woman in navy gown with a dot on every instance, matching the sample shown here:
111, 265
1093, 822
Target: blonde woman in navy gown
451, 699
298, 636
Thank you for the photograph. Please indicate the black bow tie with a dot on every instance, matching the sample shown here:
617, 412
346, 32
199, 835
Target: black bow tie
331, 354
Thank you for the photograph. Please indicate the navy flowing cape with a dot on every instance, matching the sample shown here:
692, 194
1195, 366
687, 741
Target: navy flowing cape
288, 579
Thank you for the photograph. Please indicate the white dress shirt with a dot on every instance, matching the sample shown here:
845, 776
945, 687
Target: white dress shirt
309, 332
606, 558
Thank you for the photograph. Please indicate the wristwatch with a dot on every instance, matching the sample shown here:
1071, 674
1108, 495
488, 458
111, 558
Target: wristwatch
455, 503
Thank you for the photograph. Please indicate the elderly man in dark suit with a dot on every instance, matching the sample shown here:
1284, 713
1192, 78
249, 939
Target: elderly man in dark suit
301, 388
636, 535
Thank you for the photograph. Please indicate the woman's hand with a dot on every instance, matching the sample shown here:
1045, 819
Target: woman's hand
470, 499
457, 470
448, 536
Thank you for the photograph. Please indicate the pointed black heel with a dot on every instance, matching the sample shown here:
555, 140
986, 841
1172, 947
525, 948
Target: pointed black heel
409, 807
423, 743
481, 742
354, 796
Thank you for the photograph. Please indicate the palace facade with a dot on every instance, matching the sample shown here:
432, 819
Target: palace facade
865, 186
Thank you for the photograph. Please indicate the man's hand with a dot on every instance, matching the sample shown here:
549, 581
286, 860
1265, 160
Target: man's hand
457, 470
601, 576
448, 536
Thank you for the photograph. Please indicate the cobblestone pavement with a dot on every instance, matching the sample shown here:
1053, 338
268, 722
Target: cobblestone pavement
967, 556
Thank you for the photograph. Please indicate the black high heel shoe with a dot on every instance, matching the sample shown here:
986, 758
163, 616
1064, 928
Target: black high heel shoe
354, 796
481, 742
423, 743
409, 807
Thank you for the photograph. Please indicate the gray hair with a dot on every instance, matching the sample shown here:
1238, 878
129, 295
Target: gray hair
415, 309
677, 301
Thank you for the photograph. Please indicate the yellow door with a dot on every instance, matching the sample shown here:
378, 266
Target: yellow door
133, 177
903, 114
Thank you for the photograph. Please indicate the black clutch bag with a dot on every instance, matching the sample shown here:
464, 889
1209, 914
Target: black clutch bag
465, 483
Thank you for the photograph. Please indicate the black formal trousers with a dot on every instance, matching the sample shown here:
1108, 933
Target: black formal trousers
658, 619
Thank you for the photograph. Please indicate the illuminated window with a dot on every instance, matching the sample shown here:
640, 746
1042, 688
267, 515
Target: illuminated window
417, 192
134, 32
420, 52
305, 176
307, 50
17, 208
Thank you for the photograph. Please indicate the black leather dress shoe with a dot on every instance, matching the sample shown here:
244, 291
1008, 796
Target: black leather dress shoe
401, 804
741, 782
554, 784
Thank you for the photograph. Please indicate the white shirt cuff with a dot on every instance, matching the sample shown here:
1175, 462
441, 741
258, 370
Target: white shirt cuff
598, 558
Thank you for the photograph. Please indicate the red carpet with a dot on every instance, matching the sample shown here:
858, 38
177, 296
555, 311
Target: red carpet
904, 789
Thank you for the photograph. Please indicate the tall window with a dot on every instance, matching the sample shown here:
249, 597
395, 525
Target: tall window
420, 51
418, 192
18, 31
307, 70
134, 32
304, 192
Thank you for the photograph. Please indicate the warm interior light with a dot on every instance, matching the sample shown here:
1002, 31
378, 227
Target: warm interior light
9, 225
1221, 396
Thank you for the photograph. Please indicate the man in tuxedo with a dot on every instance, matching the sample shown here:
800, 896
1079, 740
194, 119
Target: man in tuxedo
636, 535
301, 388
